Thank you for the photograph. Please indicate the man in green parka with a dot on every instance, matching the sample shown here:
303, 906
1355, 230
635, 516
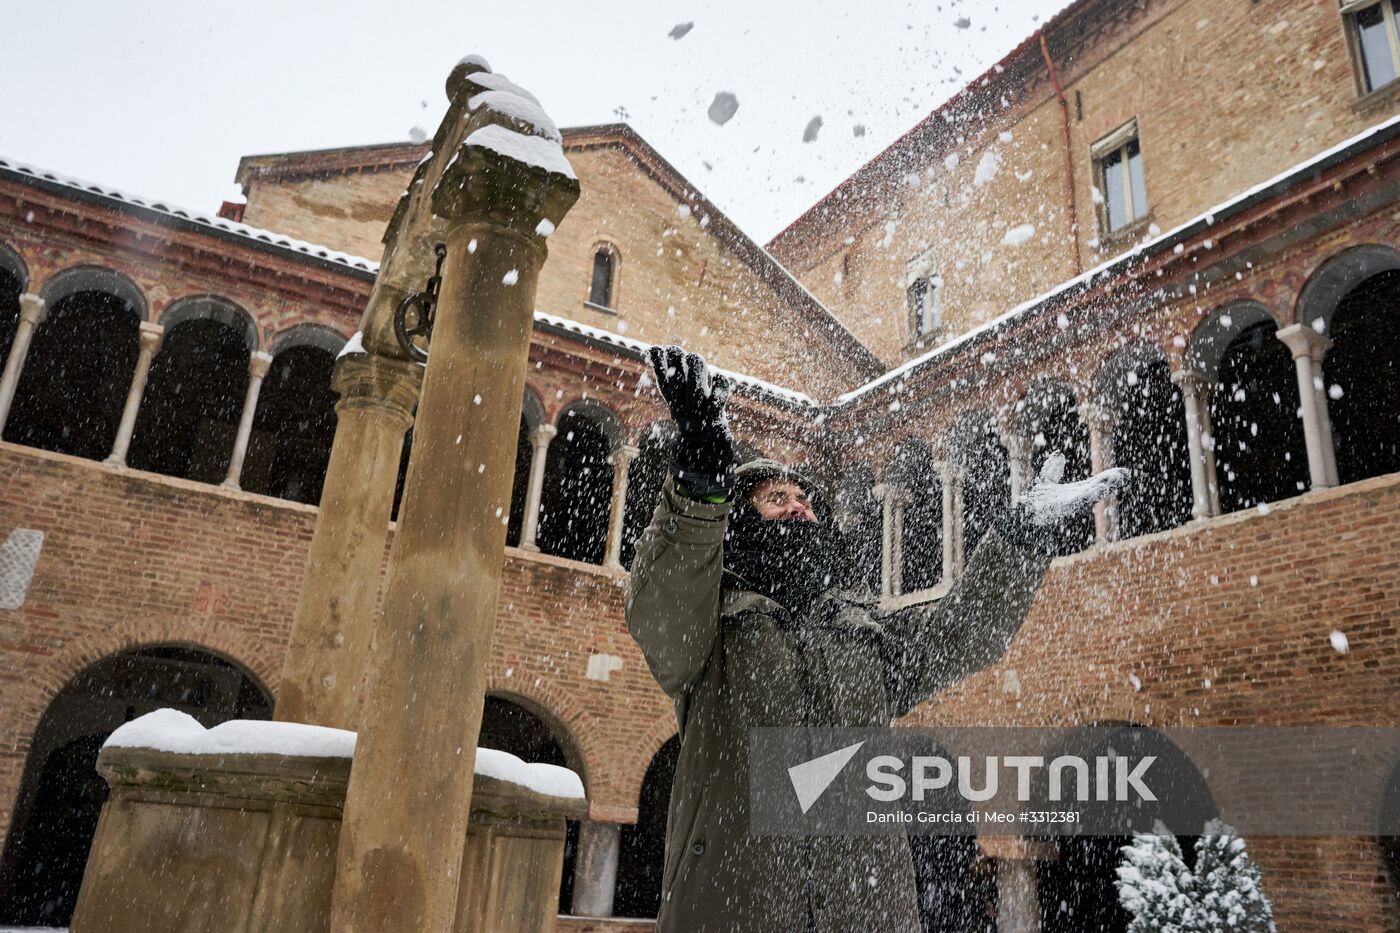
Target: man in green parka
743, 600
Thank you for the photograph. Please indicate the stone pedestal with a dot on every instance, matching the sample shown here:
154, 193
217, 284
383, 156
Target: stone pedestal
196, 842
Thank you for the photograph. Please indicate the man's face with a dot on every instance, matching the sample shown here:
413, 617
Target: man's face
781, 498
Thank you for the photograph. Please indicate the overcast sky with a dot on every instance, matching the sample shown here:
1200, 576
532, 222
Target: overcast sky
162, 98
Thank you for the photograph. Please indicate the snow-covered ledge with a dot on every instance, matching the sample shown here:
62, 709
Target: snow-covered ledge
237, 827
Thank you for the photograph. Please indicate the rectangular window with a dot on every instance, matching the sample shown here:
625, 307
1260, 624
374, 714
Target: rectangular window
1119, 170
1375, 40
924, 295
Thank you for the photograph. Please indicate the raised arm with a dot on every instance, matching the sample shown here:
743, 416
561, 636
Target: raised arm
931, 647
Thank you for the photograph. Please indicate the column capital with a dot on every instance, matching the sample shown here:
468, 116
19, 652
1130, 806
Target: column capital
1191, 382
625, 453
1099, 417
1302, 340
32, 308
150, 336
258, 363
542, 434
366, 380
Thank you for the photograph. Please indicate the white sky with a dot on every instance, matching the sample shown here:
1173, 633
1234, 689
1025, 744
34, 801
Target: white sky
162, 98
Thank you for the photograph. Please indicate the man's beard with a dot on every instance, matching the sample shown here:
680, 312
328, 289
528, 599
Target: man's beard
789, 560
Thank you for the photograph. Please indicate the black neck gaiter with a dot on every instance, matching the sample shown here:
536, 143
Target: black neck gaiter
791, 560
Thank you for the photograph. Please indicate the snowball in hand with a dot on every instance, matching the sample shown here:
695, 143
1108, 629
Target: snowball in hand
1049, 501
723, 107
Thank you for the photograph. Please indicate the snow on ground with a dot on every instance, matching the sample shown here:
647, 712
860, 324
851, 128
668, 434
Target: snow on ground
169, 730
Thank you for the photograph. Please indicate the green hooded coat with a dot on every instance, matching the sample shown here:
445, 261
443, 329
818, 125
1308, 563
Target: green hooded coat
732, 660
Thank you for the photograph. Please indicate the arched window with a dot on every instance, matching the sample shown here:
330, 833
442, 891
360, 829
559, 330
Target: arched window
919, 517
577, 494
194, 397
645, 476
13, 280
1050, 421
61, 793
294, 426
975, 448
75, 381
602, 291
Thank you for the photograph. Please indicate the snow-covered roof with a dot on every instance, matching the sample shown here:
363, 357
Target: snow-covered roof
1366, 139
164, 209
169, 730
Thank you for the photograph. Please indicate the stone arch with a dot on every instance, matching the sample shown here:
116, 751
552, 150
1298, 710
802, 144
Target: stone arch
912, 475
61, 794
78, 279
1218, 330
289, 448
577, 494
1338, 275
14, 279
532, 408
975, 449
1147, 425
194, 395
319, 336
78, 370
211, 308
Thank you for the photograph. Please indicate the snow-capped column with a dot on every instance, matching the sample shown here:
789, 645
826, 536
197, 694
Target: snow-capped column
32, 311
1305, 344
150, 338
952, 528
496, 186
539, 452
1019, 450
258, 363
595, 869
1191, 385
883, 493
325, 661
621, 459
1101, 421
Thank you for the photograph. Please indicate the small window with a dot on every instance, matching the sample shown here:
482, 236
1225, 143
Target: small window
601, 292
1118, 159
924, 296
1375, 41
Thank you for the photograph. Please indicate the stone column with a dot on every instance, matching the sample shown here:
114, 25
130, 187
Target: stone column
1019, 450
1308, 348
622, 458
150, 338
1191, 384
1018, 904
883, 492
951, 526
595, 870
330, 637
32, 311
258, 363
1101, 421
899, 498
539, 451
410, 791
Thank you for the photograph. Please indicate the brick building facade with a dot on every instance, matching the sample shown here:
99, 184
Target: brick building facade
1242, 362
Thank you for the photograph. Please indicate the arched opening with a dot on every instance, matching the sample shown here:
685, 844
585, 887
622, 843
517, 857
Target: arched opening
857, 514
645, 476
1361, 372
520, 485
509, 726
1078, 889
975, 448
294, 426
642, 848
913, 476
14, 278
1259, 451
1149, 438
577, 493
1049, 419
61, 794
194, 395
602, 290
74, 385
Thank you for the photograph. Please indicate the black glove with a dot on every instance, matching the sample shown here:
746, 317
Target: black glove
1042, 519
703, 456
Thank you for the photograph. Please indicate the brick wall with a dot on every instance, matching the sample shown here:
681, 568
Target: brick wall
1226, 95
